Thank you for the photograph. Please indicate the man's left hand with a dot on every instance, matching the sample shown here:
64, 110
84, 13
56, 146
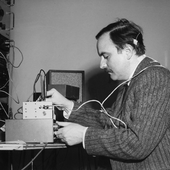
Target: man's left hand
70, 133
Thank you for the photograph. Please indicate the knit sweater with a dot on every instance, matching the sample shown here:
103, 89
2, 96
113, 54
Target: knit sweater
145, 143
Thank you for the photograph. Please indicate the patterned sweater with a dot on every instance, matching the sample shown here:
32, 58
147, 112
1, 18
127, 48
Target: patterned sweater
145, 143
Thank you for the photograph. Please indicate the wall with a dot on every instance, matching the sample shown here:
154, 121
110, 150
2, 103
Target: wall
60, 34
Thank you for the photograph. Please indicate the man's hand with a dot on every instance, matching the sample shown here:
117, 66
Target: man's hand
59, 100
70, 133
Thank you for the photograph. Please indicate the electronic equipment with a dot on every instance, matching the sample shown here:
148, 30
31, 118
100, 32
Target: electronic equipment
29, 130
70, 92
37, 110
74, 78
4, 44
37, 124
4, 78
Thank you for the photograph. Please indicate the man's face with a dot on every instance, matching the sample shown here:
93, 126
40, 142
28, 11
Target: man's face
115, 62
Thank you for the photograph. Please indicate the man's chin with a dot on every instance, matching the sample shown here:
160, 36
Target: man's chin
113, 77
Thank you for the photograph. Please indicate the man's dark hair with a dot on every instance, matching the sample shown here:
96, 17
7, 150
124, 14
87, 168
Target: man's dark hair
124, 32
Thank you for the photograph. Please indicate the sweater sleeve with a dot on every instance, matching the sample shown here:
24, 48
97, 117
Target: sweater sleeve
89, 117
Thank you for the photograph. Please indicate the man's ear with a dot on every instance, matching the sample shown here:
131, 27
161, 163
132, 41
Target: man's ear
128, 51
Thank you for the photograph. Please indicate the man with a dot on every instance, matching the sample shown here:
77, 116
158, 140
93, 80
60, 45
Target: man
134, 133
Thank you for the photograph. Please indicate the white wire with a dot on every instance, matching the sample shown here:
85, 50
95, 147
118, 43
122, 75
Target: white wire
101, 104
115, 90
103, 110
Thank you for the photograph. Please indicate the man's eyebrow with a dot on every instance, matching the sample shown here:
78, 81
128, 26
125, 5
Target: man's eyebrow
101, 54
104, 53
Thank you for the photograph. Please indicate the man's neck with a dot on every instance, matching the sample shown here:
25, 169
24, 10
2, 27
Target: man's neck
135, 64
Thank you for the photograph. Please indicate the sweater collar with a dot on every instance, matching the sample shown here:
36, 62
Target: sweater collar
146, 62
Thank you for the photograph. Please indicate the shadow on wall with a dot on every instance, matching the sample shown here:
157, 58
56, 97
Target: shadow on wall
98, 86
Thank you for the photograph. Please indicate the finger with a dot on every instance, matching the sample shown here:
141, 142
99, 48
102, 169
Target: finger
63, 141
50, 92
59, 107
58, 134
63, 123
48, 100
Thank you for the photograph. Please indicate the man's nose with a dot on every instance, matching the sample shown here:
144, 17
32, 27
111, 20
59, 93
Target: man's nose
103, 64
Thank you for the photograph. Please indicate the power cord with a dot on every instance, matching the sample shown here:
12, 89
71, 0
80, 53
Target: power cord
31, 162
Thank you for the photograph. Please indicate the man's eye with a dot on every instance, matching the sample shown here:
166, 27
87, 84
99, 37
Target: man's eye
105, 56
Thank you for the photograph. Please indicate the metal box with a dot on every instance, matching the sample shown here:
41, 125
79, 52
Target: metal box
29, 130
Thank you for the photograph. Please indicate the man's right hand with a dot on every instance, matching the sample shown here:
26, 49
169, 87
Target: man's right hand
59, 100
